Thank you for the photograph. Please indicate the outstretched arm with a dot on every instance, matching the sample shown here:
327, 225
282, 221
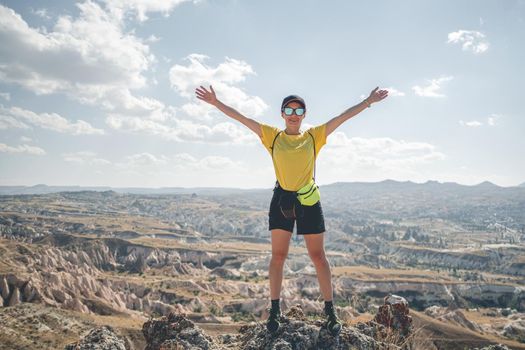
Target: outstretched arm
375, 96
211, 98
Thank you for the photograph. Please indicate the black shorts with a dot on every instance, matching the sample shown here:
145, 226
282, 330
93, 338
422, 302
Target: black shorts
311, 222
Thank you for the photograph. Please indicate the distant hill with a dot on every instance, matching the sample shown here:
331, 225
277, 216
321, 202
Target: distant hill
380, 186
44, 189
487, 184
408, 188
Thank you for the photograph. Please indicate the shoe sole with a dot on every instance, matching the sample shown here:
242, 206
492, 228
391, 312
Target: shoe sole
273, 331
335, 332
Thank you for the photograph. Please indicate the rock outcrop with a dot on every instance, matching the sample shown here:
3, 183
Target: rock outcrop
453, 316
515, 329
421, 295
394, 314
297, 331
493, 347
100, 338
70, 274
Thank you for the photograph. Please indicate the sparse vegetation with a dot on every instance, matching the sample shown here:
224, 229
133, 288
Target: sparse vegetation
197, 309
216, 311
243, 317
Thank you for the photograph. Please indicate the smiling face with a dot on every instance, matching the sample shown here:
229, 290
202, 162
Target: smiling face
293, 121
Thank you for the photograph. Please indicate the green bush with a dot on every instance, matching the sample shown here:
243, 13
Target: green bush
216, 311
243, 316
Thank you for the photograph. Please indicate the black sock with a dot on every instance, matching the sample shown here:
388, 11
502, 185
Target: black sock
328, 307
275, 304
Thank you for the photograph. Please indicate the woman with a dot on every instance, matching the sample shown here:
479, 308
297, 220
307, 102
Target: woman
294, 153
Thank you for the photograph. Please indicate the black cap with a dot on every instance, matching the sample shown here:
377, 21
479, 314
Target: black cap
291, 98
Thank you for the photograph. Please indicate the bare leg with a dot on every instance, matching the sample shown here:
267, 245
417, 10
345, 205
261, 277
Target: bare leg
280, 245
315, 246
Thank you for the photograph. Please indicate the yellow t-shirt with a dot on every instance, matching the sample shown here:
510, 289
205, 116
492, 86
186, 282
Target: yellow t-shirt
293, 155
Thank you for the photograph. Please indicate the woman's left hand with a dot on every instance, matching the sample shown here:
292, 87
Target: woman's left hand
376, 96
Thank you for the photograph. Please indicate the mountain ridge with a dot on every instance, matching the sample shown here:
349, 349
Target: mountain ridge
44, 189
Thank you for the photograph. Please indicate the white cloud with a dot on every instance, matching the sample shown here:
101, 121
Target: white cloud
91, 50
181, 169
493, 119
470, 40
432, 90
152, 39
224, 132
25, 139
374, 158
144, 160
185, 161
149, 163
84, 158
93, 59
15, 117
472, 123
22, 149
43, 13
305, 125
5, 95
186, 130
90, 58
201, 111
140, 8
393, 92
184, 79
9, 122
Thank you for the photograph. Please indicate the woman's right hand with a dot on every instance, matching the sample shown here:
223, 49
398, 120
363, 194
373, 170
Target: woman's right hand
206, 96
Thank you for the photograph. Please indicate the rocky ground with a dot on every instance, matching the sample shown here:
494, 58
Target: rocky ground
390, 329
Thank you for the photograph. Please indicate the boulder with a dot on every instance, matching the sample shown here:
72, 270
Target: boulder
393, 314
15, 298
101, 338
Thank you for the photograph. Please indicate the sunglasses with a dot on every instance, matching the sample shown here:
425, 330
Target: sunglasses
290, 111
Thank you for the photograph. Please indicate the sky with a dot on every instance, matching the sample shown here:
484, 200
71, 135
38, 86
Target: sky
101, 93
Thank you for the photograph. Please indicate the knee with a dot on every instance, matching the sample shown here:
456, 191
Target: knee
318, 257
279, 257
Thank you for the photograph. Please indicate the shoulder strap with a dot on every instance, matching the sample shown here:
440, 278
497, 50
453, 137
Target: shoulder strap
275, 138
273, 143
313, 140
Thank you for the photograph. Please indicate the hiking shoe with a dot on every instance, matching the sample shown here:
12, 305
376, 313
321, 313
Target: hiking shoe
333, 324
272, 324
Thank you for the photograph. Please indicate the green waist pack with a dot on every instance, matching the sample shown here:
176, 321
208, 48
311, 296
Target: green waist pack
309, 194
